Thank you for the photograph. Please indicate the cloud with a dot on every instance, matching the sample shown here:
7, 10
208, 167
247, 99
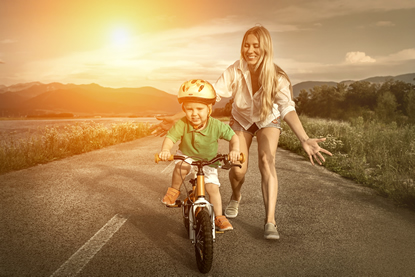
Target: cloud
403, 55
385, 24
7, 41
162, 60
306, 11
401, 62
358, 57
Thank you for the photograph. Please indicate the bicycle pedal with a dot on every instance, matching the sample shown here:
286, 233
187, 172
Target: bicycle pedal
219, 232
176, 204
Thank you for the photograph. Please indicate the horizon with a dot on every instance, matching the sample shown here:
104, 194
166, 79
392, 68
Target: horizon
319, 81
135, 44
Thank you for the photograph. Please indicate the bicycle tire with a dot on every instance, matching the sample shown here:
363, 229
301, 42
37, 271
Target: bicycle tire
204, 241
186, 208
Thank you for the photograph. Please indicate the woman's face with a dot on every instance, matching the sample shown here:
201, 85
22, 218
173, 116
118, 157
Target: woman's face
251, 50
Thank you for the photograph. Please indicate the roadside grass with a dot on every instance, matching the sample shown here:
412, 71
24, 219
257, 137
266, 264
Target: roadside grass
377, 155
51, 143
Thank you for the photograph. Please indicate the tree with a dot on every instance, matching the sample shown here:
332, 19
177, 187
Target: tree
386, 107
410, 106
400, 90
302, 102
361, 94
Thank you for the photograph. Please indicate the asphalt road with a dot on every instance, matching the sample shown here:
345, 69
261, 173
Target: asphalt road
99, 214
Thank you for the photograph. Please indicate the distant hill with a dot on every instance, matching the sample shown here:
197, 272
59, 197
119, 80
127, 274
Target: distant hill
407, 78
93, 99
297, 88
37, 98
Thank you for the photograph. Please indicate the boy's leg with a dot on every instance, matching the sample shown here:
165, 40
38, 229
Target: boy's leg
215, 198
221, 222
179, 173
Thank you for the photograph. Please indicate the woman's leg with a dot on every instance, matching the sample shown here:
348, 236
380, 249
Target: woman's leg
267, 147
236, 174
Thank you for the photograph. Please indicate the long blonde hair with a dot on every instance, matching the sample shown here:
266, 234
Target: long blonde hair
268, 76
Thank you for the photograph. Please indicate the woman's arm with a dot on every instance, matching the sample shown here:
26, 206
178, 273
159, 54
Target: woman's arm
310, 146
167, 122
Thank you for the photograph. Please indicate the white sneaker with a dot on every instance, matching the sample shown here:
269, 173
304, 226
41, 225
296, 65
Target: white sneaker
231, 210
271, 231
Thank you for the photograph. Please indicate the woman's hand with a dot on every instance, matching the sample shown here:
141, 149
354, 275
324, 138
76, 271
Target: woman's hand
162, 128
313, 150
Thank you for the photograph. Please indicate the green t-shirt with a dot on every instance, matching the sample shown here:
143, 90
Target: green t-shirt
202, 144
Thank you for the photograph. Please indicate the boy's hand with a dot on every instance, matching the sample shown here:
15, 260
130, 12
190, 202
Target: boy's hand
234, 156
164, 155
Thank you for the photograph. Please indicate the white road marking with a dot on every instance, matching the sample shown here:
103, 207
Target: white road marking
81, 258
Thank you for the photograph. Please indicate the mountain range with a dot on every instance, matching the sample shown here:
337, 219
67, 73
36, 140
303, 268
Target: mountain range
92, 99
407, 78
37, 98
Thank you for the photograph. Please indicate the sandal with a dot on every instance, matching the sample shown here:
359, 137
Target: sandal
170, 198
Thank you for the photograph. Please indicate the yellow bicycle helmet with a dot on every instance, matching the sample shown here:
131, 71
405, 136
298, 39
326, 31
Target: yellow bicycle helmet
197, 91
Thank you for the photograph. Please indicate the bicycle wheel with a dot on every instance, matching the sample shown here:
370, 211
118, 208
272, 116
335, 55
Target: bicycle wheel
186, 207
204, 241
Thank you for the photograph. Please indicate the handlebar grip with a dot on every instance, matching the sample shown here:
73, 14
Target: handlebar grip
157, 158
241, 157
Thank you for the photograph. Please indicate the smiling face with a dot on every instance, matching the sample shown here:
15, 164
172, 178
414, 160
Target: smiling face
196, 113
252, 51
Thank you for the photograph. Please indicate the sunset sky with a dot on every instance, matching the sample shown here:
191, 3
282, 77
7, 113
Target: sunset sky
163, 43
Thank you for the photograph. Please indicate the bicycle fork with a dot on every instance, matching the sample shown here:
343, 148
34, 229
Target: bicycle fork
197, 205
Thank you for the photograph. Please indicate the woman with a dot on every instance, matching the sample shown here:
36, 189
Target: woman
262, 96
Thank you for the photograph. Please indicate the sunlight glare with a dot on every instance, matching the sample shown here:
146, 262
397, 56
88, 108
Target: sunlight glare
120, 37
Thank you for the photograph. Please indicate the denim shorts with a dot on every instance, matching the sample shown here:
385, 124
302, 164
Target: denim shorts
276, 123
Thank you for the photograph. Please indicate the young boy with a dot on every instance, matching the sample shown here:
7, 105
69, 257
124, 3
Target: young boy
199, 134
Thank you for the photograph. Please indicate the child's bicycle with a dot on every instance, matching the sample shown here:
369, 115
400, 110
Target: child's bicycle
198, 214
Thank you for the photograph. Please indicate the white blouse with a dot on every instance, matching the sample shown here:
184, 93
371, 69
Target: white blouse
236, 82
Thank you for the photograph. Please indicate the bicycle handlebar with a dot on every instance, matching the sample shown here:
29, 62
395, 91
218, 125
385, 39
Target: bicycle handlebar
215, 159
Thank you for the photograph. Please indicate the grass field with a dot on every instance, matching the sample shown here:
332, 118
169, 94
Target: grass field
380, 156
51, 143
376, 155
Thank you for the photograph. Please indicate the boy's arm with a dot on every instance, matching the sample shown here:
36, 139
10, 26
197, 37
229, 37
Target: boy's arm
234, 149
165, 149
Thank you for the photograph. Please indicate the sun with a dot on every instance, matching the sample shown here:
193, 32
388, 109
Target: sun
120, 37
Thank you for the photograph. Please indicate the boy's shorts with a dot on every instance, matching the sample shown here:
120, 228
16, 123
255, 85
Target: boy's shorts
211, 173
276, 123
